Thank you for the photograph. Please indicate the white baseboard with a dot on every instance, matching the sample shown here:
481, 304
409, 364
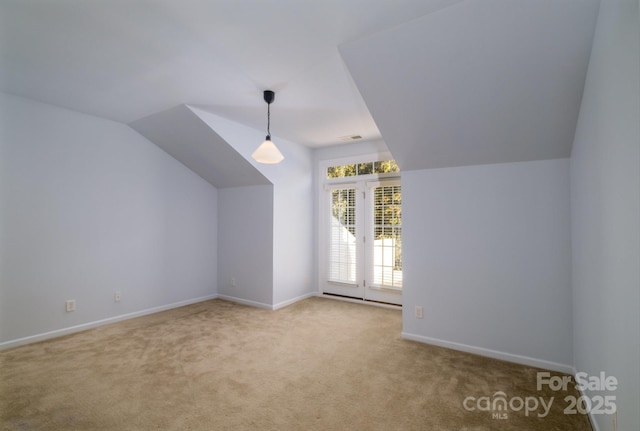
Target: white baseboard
264, 305
592, 418
592, 421
293, 301
83, 327
246, 302
509, 357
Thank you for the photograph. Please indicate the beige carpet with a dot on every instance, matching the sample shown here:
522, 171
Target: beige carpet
320, 364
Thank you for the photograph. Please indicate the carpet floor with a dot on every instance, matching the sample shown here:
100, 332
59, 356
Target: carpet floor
319, 364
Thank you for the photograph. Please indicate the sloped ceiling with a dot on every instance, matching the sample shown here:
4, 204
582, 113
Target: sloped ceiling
479, 82
443, 82
182, 134
128, 59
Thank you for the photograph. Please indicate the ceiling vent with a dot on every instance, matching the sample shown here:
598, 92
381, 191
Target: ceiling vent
350, 138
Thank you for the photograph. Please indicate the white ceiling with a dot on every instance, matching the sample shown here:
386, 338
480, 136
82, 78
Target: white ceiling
439, 76
490, 81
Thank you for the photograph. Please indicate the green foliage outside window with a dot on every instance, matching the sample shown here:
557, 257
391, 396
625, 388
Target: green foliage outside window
388, 218
343, 204
354, 169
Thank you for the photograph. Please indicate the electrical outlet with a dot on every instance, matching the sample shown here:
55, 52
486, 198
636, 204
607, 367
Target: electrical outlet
70, 305
419, 312
233, 282
117, 296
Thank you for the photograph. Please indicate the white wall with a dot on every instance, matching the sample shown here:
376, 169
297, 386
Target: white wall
293, 226
350, 150
245, 244
292, 211
605, 206
90, 207
486, 252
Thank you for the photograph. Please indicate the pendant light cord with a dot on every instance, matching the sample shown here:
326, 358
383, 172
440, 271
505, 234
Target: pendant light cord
268, 119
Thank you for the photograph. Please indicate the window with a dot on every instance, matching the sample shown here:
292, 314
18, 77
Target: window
386, 264
366, 168
362, 230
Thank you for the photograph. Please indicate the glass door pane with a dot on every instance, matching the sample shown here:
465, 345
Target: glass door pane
342, 262
343, 256
387, 237
384, 243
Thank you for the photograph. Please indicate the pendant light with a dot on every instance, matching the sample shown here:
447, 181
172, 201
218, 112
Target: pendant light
267, 152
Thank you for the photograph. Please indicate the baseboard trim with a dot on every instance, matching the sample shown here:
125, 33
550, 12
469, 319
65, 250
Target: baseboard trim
263, 305
592, 419
590, 415
293, 300
246, 302
504, 356
90, 325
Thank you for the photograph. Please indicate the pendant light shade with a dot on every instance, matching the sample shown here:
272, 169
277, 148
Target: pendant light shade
267, 152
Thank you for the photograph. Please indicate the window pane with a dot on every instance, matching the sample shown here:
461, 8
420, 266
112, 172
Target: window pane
386, 166
349, 170
365, 168
332, 172
342, 248
387, 232
383, 167
341, 171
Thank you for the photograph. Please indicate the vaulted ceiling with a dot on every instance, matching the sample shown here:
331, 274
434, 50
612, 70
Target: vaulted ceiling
442, 82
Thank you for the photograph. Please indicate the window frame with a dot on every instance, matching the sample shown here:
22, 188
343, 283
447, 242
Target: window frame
324, 183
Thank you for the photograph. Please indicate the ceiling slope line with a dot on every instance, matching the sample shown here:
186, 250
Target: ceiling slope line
190, 140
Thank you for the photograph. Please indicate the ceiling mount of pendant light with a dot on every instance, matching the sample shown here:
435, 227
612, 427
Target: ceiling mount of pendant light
267, 152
